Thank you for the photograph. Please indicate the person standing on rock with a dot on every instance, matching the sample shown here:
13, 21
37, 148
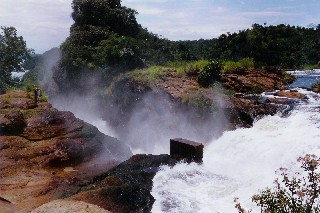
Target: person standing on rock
36, 95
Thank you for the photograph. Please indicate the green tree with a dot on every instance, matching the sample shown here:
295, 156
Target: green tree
210, 73
107, 14
119, 50
95, 21
282, 45
13, 52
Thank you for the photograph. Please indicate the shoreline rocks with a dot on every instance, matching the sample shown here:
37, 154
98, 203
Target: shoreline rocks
48, 155
37, 144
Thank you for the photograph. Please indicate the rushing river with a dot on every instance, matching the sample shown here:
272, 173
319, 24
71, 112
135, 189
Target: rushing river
243, 161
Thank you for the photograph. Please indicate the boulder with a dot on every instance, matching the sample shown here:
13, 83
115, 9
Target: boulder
12, 123
255, 80
290, 94
186, 149
279, 100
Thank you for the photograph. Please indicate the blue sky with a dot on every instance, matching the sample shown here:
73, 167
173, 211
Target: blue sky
45, 23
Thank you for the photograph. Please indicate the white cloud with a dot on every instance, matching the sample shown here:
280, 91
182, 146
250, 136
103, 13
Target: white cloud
264, 14
146, 10
43, 24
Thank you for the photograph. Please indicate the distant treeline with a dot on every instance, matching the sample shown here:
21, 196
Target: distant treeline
106, 37
107, 34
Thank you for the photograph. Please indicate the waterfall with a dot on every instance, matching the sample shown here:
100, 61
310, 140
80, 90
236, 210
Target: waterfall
241, 162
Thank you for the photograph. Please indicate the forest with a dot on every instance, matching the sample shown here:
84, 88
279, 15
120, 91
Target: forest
107, 38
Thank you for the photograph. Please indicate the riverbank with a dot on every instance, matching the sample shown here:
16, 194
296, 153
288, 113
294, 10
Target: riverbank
70, 159
45, 153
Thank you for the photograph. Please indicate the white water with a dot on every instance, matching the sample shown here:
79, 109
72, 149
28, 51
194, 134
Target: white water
240, 163
305, 78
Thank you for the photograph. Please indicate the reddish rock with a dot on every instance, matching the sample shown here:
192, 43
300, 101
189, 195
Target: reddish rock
278, 101
38, 143
290, 94
255, 80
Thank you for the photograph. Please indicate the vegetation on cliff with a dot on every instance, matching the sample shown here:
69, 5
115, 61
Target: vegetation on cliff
316, 87
106, 40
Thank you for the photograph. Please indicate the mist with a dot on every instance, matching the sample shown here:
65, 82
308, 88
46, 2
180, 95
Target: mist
156, 119
84, 107
152, 120
48, 63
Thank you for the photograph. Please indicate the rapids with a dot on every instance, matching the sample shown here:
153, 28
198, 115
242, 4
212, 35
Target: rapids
241, 162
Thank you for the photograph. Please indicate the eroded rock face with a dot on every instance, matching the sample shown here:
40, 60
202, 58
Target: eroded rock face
38, 143
126, 188
191, 150
255, 80
184, 94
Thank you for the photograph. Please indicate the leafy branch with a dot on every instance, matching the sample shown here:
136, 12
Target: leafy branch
291, 194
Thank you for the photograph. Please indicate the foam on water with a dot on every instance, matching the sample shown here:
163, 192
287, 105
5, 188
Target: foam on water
240, 163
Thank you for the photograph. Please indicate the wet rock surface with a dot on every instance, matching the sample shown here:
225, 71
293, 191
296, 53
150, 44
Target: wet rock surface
47, 154
255, 80
185, 94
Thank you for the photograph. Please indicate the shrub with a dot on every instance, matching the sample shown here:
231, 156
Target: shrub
246, 63
194, 68
191, 68
309, 67
43, 97
316, 87
257, 89
210, 73
229, 92
294, 194
30, 77
179, 66
6, 100
148, 76
231, 66
29, 87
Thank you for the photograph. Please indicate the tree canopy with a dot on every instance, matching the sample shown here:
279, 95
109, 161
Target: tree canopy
95, 22
106, 36
13, 52
281, 45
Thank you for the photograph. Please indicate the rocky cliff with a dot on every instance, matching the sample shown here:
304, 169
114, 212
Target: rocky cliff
45, 153
50, 155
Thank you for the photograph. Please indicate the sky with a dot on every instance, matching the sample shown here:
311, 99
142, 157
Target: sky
45, 24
